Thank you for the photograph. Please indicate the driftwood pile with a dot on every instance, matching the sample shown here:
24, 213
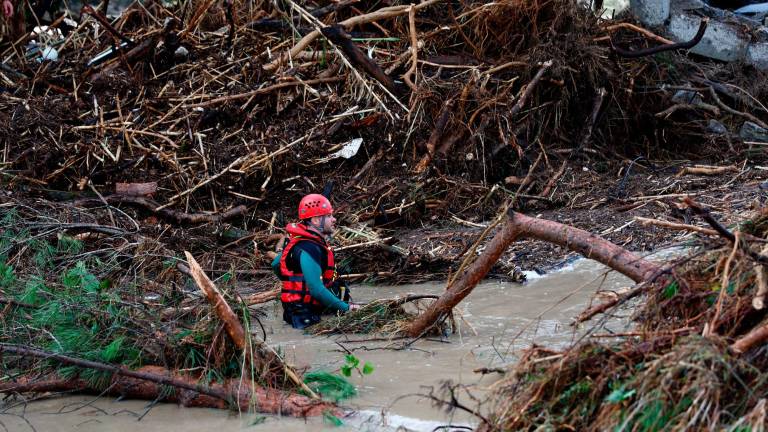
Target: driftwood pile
436, 112
182, 127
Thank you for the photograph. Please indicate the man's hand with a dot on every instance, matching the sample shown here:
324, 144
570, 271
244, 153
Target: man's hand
354, 306
7, 8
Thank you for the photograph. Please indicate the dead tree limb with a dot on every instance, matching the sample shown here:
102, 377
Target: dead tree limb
265, 90
675, 226
338, 36
530, 87
756, 336
176, 216
437, 133
721, 230
521, 226
263, 356
232, 324
746, 115
147, 383
662, 48
88, 9
262, 297
383, 13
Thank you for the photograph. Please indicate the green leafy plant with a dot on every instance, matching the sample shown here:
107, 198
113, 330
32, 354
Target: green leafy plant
7, 276
353, 363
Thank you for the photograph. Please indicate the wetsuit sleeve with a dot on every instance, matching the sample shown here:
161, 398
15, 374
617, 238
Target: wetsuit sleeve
312, 275
276, 264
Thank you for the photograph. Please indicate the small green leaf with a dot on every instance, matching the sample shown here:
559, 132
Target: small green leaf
352, 360
367, 368
346, 370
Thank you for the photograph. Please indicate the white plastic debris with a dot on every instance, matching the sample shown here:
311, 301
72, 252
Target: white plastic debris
348, 150
48, 53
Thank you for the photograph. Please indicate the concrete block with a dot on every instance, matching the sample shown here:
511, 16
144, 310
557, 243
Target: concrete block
650, 12
752, 132
722, 41
757, 55
716, 127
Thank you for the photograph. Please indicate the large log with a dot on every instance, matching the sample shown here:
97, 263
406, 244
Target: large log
521, 226
149, 383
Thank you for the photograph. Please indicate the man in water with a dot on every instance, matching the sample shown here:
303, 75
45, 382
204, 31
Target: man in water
306, 266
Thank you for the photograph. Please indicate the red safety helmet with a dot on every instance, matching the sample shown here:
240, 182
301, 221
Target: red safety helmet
314, 205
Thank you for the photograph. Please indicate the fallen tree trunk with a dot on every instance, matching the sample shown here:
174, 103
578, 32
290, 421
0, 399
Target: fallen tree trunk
148, 383
522, 226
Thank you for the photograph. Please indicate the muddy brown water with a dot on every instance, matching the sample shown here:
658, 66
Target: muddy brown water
499, 319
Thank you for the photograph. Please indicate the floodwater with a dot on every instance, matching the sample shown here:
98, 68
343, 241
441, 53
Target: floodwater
498, 320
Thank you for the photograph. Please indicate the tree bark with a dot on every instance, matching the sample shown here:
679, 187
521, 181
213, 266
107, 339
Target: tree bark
522, 226
232, 324
757, 336
246, 394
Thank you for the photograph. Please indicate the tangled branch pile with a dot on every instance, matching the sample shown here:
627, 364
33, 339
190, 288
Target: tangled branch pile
253, 104
664, 376
385, 317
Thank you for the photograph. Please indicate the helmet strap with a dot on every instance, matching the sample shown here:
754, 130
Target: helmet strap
319, 228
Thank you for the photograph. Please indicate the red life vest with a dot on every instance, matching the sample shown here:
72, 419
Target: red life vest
295, 288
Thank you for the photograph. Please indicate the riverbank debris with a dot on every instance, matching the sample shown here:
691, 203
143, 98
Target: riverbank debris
695, 360
219, 117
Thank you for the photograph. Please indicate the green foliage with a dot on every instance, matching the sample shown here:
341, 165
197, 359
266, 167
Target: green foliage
80, 312
353, 363
44, 254
257, 420
671, 290
656, 414
34, 291
79, 278
575, 391
330, 386
69, 245
7, 276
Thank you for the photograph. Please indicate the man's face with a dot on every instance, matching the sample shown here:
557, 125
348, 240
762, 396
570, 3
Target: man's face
326, 225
